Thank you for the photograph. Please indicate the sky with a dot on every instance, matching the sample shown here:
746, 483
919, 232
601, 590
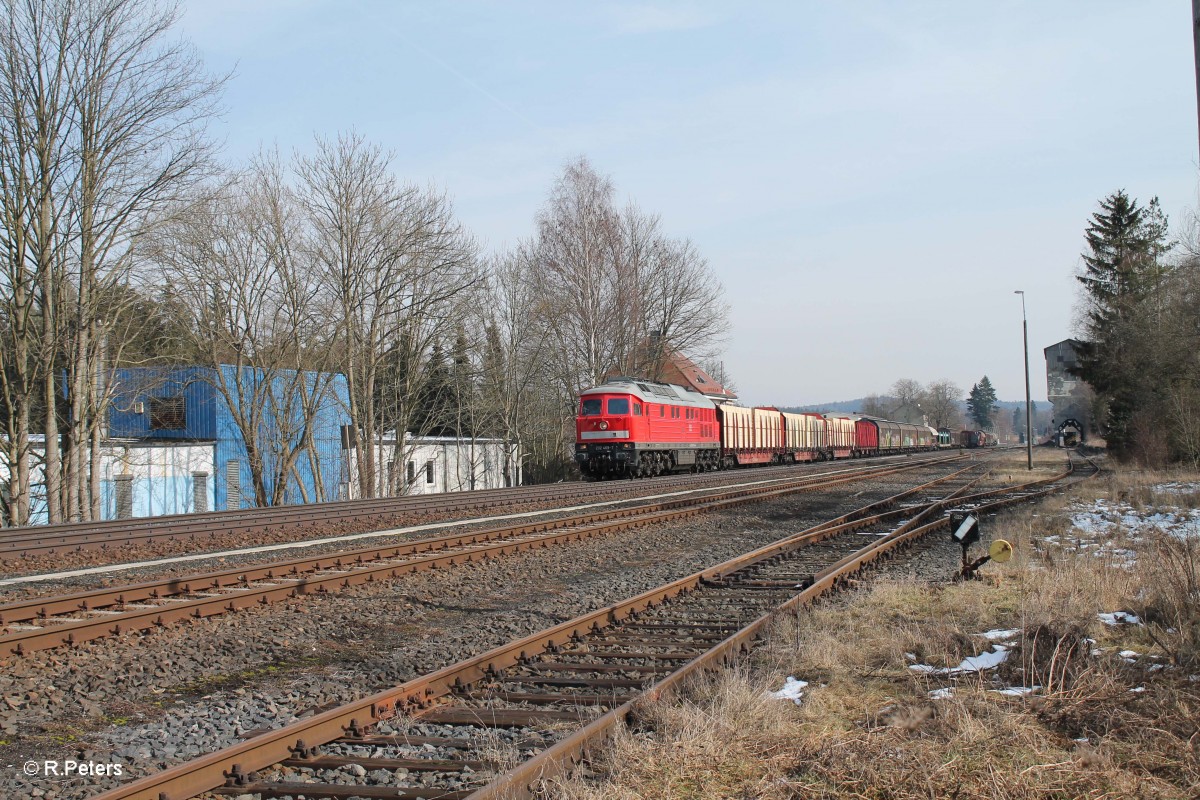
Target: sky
870, 181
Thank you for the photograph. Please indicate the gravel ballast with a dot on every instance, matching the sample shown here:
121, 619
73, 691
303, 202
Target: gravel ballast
150, 701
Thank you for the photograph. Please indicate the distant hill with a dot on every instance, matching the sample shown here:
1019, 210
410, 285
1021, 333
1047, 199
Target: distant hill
843, 406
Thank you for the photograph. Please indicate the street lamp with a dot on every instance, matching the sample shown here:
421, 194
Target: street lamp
1028, 413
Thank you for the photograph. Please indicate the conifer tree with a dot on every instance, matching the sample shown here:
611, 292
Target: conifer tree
980, 402
1124, 270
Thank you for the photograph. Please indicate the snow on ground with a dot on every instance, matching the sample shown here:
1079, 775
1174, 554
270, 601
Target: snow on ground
1102, 517
1175, 487
792, 690
1120, 618
1000, 635
1103, 528
977, 663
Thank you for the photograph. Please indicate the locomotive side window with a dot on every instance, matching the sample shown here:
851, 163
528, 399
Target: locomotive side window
591, 407
618, 405
637, 409
662, 411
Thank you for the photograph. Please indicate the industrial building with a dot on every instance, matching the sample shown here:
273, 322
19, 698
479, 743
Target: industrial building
1069, 395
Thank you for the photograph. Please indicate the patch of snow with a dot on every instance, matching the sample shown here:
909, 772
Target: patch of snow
1129, 654
1175, 487
1017, 691
999, 635
977, 663
1138, 689
945, 693
1120, 618
792, 690
911, 656
1101, 517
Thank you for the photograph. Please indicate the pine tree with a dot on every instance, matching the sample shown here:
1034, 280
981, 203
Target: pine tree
980, 403
433, 415
1124, 242
462, 394
1124, 270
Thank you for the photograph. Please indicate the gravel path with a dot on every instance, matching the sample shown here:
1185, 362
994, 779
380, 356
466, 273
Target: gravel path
146, 702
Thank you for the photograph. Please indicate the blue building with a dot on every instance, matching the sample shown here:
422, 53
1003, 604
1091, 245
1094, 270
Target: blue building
295, 420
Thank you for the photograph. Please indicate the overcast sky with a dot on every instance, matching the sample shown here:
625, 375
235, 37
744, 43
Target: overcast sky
869, 180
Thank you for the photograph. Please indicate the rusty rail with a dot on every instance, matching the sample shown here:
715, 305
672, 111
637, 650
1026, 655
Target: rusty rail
38, 623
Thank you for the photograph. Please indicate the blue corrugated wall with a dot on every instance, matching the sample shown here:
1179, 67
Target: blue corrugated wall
332, 413
139, 385
209, 418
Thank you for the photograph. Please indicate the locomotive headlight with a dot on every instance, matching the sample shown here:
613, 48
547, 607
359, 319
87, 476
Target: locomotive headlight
603, 426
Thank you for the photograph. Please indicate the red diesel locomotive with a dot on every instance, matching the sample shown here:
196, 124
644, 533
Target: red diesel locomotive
638, 428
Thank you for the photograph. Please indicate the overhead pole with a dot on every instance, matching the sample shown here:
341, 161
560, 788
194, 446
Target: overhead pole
1196, 50
1028, 405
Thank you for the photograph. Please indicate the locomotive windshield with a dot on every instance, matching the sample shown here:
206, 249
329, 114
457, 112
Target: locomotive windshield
591, 407
618, 405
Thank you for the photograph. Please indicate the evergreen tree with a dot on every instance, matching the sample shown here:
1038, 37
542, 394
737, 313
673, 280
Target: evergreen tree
433, 415
1124, 270
462, 388
980, 403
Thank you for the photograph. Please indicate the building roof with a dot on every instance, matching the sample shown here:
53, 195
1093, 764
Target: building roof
679, 369
1071, 343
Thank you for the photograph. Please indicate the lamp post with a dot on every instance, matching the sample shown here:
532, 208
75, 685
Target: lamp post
1028, 413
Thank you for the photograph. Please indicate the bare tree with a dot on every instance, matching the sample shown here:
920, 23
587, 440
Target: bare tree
677, 302
399, 265
103, 126
515, 351
876, 406
941, 402
36, 125
258, 319
618, 293
577, 275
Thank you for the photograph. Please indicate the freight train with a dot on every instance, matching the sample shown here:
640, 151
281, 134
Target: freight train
979, 439
638, 428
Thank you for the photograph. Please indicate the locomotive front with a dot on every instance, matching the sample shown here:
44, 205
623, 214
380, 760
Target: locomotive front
604, 433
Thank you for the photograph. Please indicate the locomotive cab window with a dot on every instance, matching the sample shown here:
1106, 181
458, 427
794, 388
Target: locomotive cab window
618, 405
637, 409
591, 407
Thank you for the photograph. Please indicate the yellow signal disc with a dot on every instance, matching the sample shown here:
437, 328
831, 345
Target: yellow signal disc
1000, 551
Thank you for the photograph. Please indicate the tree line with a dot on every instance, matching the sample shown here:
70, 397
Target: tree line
127, 241
936, 404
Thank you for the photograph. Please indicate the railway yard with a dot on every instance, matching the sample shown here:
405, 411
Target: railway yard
452, 660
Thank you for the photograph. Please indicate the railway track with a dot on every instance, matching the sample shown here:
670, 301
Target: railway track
199, 530
40, 623
500, 724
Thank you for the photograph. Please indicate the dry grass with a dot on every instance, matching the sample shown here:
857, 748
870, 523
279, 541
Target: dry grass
867, 727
